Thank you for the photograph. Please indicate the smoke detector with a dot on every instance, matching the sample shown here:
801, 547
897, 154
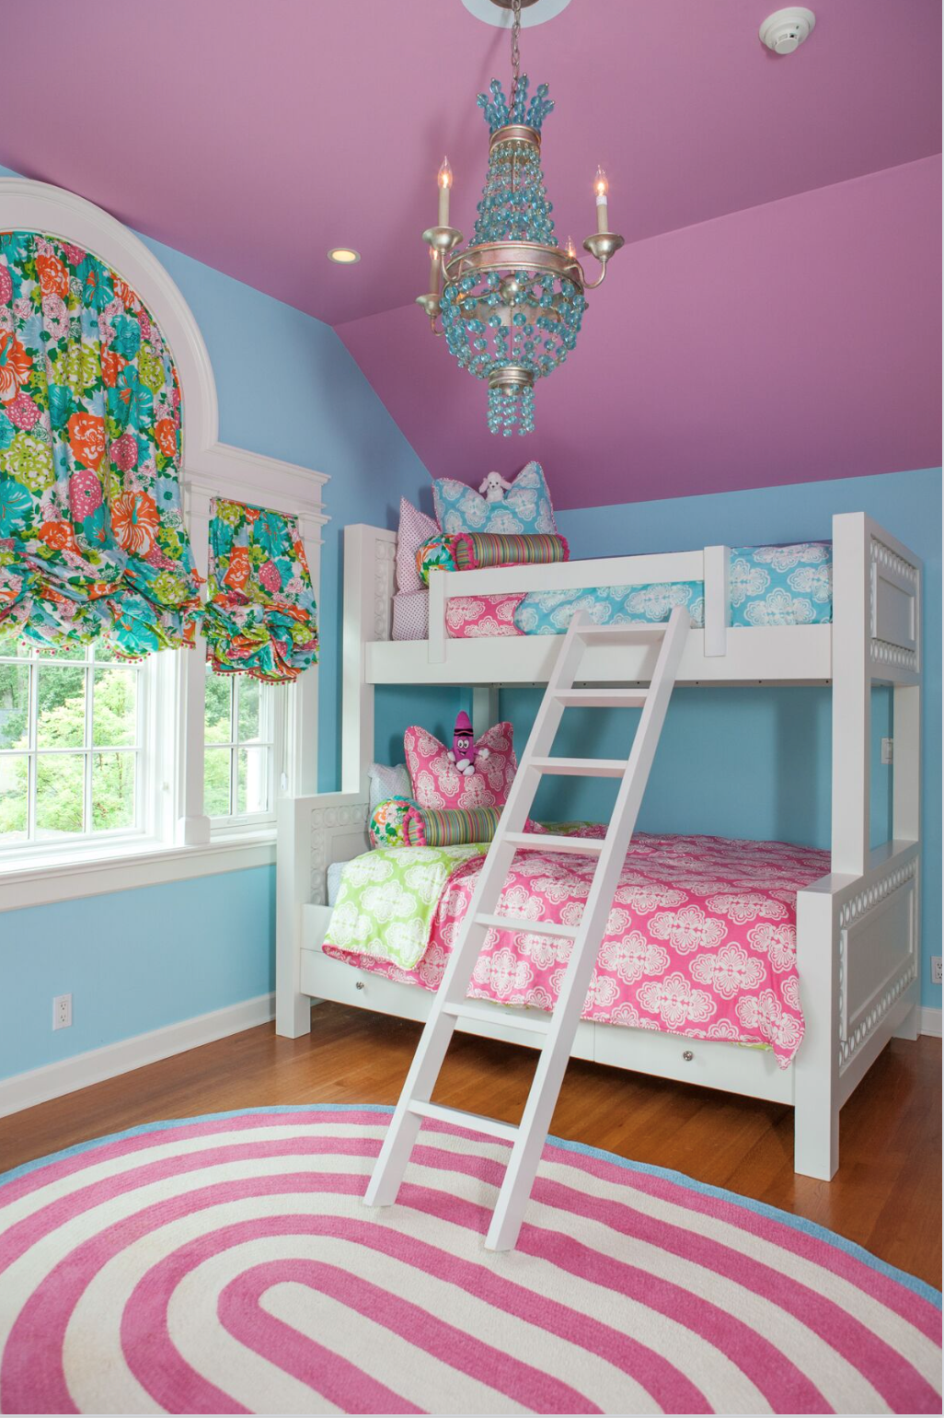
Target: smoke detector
785, 30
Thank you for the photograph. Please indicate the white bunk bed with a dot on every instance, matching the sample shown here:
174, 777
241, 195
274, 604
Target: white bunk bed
857, 928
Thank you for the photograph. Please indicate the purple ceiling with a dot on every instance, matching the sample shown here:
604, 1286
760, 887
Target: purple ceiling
787, 343
254, 136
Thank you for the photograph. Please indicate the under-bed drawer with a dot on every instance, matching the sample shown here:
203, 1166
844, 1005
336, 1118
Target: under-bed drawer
731, 1067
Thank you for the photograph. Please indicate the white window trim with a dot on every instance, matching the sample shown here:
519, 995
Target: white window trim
180, 844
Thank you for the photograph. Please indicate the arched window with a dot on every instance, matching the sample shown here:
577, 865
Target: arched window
109, 456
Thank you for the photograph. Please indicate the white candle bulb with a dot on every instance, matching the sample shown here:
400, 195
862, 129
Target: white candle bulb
601, 187
444, 180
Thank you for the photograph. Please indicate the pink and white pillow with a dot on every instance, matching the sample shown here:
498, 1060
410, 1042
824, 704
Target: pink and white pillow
437, 783
415, 528
468, 617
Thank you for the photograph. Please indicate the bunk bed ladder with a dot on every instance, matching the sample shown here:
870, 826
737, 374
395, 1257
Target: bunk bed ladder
558, 1029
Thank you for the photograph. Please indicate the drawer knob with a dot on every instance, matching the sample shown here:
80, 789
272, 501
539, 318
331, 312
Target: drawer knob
359, 985
688, 1055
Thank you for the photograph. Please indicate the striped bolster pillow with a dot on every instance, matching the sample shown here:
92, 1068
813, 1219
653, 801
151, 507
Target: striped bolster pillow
470, 551
450, 827
474, 550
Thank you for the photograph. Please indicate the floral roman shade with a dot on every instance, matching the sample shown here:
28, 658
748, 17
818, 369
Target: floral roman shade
92, 540
261, 618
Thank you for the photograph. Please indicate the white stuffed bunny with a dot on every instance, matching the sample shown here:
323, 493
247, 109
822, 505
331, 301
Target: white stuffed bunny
494, 487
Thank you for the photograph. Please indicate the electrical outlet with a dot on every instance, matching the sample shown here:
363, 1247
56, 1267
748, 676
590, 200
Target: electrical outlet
62, 1012
888, 751
936, 977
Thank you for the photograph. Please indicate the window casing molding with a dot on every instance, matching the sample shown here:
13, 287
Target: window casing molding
177, 839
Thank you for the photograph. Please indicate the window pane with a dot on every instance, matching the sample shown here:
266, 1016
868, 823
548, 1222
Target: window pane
216, 763
11, 646
218, 714
60, 704
252, 794
103, 652
59, 793
249, 706
14, 782
114, 713
112, 791
14, 705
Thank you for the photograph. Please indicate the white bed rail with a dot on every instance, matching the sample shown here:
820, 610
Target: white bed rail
710, 566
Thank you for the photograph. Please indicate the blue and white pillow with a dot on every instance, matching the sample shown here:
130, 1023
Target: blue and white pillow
525, 509
550, 612
788, 585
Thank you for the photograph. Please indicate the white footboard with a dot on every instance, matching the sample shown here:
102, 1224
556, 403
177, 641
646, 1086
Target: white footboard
857, 957
313, 832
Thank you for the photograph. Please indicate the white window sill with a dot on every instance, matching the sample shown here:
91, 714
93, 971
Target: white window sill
39, 881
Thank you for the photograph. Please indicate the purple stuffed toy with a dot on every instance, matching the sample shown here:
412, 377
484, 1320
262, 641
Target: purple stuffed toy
464, 751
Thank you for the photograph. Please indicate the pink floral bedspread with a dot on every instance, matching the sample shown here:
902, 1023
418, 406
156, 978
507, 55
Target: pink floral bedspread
701, 940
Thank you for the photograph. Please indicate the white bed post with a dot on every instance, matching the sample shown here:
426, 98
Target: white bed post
852, 695
816, 1067
816, 1064
369, 556
292, 870
485, 708
717, 599
906, 790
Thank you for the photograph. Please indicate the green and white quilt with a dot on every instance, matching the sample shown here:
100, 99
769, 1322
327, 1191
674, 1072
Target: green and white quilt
388, 899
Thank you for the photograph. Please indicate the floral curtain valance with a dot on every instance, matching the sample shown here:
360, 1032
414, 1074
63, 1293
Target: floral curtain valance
92, 540
261, 618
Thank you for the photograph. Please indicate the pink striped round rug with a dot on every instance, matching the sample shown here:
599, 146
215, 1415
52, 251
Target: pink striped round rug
227, 1264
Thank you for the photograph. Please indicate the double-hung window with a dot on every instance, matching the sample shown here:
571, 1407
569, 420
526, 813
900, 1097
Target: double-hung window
74, 760
244, 734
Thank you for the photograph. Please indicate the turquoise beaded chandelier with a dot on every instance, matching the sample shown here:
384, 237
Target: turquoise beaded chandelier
511, 304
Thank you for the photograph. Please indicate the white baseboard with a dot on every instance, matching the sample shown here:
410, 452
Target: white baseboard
25, 1090
929, 1022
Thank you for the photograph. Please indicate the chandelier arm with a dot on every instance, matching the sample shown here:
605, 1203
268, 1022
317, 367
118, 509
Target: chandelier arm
593, 285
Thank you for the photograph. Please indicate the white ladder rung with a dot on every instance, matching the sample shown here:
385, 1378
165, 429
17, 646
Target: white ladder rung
621, 634
602, 698
514, 923
547, 842
581, 767
499, 1014
459, 1118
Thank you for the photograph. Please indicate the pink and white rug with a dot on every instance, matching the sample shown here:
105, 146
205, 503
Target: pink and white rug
226, 1264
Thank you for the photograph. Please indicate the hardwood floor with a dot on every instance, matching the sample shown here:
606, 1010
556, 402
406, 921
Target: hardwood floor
886, 1195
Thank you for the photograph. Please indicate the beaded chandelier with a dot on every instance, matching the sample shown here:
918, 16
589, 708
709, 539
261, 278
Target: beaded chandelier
511, 304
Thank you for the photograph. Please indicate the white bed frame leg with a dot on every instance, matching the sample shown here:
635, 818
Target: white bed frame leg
816, 1064
292, 1008
908, 1028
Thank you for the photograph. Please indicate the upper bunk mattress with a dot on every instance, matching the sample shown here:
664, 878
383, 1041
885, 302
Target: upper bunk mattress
769, 586
701, 940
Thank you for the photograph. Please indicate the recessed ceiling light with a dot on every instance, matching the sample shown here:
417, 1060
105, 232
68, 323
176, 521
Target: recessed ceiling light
344, 255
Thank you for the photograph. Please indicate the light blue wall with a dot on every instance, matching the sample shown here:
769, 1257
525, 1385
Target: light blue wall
135, 961
756, 762
132, 961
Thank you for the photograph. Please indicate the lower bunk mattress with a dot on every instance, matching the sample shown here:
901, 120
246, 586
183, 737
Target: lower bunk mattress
700, 940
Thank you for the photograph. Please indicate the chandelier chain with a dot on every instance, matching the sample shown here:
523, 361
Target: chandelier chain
515, 52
